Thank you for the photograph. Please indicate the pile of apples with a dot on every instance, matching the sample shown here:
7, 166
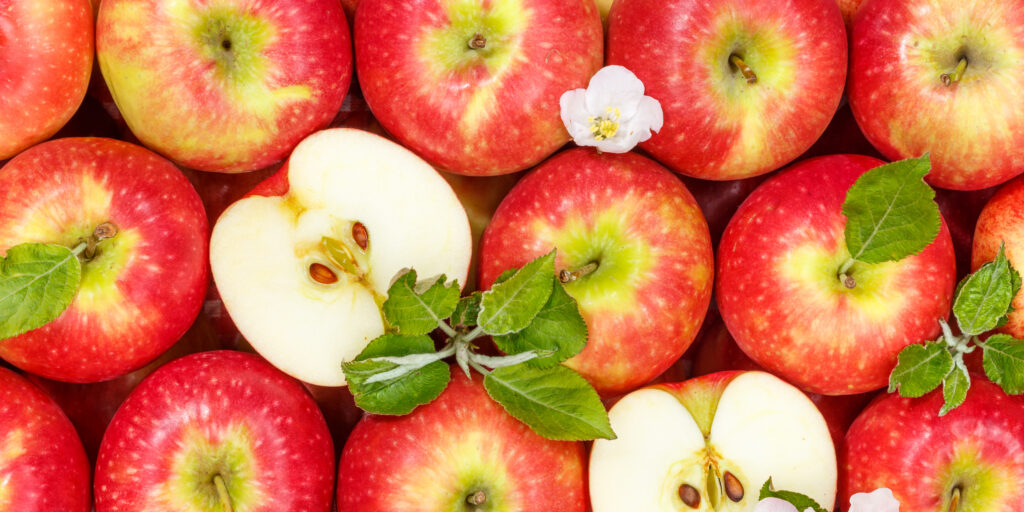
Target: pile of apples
244, 179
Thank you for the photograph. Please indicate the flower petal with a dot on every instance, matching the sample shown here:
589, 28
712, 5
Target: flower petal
774, 505
574, 114
879, 500
615, 87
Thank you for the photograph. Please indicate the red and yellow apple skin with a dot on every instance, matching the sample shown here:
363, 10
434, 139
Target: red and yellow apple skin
146, 284
225, 86
481, 112
43, 467
718, 126
461, 443
781, 298
216, 413
645, 301
903, 444
899, 52
46, 49
1002, 222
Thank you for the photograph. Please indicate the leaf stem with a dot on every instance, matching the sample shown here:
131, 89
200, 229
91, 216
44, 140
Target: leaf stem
846, 279
949, 79
474, 334
79, 248
493, 362
222, 493
409, 363
476, 366
451, 333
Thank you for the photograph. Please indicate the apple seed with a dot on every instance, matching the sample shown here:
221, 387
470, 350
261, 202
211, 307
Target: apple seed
733, 487
322, 273
690, 495
360, 235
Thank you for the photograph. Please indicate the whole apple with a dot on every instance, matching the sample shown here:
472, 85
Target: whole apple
43, 467
226, 86
1000, 223
746, 85
473, 87
217, 430
140, 289
46, 49
461, 452
781, 297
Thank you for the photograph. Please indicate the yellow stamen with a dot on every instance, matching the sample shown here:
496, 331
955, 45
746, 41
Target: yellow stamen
605, 127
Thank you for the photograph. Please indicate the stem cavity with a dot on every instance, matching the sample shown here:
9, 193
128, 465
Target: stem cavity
949, 79
748, 73
222, 492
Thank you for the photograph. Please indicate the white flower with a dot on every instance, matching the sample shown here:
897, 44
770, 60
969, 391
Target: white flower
879, 500
777, 505
612, 113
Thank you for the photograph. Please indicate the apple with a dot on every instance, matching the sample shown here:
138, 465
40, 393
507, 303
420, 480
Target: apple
781, 298
46, 54
141, 289
217, 430
634, 248
474, 87
303, 307
710, 443
746, 85
461, 452
971, 459
909, 97
226, 86
43, 467
1000, 222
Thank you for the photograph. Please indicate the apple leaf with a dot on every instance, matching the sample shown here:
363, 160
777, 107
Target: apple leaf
419, 308
403, 391
1003, 360
890, 212
954, 387
555, 402
558, 327
920, 369
984, 298
467, 310
800, 501
37, 283
511, 305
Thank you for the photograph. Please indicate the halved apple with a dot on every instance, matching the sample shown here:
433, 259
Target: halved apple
710, 443
304, 268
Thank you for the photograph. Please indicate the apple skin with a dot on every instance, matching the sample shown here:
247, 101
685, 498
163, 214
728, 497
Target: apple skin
465, 113
46, 49
43, 467
903, 444
1001, 222
220, 412
780, 297
717, 126
145, 286
899, 51
645, 302
232, 86
460, 443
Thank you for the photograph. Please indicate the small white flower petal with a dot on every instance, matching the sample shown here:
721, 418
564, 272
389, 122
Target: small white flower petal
650, 111
774, 505
879, 500
615, 87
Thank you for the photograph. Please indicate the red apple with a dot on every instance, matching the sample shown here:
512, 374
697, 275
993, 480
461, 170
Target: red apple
942, 77
746, 85
1001, 222
971, 459
781, 297
460, 449
637, 241
216, 427
849, 8
474, 87
43, 467
226, 86
46, 57
142, 289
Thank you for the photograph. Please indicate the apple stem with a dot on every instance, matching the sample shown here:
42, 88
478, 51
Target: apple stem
949, 79
567, 276
102, 232
954, 500
848, 281
477, 498
744, 68
222, 492
478, 42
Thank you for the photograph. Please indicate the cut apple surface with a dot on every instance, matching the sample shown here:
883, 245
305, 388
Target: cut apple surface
710, 444
303, 274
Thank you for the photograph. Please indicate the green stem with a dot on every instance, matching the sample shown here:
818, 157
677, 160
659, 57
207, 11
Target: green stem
222, 492
949, 79
474, 334
451, 333
503, 361
79, 248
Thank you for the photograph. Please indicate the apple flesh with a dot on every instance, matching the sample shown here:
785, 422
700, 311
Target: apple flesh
709, 444
142, 289
305, 307
461, 447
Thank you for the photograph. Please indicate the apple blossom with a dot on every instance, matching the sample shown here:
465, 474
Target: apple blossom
879, 500
612, 113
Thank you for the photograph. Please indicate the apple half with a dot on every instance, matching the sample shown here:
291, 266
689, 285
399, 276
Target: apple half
710, 443
304, 263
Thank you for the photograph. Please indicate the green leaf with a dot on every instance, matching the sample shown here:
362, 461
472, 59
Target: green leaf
419, 308
511, 305
984, 297
954, 387
890, 212
558, 327
467, 310
1003, 361
800, 501
555, 402
400, 394
920, 369
37, 283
